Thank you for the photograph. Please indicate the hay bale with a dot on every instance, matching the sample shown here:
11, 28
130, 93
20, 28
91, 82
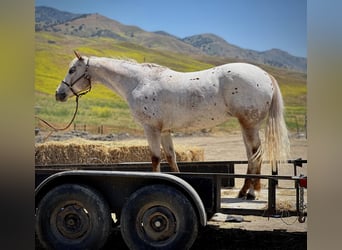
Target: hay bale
78, 151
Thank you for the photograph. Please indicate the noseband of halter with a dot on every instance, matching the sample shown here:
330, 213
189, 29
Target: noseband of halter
86, 76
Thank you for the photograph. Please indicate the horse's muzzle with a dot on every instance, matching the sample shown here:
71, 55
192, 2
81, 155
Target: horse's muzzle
62, 97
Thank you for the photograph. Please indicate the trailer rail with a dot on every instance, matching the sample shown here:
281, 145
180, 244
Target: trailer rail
222, 174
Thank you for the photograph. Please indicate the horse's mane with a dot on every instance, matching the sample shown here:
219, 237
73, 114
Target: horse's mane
135, 62
124, 59
152, 65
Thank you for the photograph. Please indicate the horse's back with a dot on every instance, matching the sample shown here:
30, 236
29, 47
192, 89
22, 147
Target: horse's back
245, 74
203, 98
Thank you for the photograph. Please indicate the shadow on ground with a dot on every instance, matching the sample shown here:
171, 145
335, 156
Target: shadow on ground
215, 238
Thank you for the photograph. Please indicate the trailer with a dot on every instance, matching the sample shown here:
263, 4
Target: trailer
77, 205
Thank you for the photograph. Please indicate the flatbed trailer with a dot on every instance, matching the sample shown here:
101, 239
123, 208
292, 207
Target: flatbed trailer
78, 204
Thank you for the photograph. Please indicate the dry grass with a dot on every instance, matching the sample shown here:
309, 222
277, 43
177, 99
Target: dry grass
84, 151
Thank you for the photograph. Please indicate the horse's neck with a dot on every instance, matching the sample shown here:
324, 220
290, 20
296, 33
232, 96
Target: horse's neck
118, 75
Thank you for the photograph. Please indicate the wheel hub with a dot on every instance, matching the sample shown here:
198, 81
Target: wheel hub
158, 223
72, 221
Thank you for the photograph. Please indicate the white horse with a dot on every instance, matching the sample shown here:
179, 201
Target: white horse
163, 100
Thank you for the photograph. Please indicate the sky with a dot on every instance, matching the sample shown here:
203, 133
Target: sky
251, 24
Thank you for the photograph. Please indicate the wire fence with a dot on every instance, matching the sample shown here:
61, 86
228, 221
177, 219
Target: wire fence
298, 125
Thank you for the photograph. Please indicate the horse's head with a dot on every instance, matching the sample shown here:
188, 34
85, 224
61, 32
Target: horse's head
77, 81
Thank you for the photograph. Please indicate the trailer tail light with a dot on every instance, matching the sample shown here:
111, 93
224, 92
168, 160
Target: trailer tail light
303, 182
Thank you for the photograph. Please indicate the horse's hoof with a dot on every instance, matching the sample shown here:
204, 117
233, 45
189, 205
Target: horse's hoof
250, 196
242, 196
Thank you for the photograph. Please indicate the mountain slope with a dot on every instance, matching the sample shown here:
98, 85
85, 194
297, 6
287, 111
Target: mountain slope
282, 59
47, 17
216, 46
95, 25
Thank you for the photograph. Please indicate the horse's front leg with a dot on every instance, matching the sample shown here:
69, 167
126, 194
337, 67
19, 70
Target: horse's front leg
153, 136
169, 150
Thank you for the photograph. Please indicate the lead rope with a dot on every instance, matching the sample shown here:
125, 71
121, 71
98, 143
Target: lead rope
59, 129
87, 77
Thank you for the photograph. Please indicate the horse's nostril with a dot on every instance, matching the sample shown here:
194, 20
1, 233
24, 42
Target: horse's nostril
60, 96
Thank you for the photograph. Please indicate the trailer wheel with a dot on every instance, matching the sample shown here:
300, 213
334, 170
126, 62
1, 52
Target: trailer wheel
73, 216
158, 217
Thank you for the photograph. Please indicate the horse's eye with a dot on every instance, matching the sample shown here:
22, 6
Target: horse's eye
72, 70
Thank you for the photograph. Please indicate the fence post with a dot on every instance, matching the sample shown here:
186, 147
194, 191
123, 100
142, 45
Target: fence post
297, 126
275, 171
305, 126
272, 184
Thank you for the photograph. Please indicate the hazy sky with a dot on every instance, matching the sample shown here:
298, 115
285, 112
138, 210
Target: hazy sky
252, 24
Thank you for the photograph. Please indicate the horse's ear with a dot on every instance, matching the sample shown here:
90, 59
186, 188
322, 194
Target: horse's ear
79, 57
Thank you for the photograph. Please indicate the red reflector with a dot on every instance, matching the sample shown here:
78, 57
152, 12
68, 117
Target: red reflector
303, 182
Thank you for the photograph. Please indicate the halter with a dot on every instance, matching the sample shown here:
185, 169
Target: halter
84, 75
79, 94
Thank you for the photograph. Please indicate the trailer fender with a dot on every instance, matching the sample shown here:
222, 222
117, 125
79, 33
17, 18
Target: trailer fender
128, 182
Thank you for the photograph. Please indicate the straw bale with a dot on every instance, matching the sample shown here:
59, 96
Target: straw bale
78, 150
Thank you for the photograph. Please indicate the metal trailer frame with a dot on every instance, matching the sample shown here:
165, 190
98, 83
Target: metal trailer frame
202, 176
117, 186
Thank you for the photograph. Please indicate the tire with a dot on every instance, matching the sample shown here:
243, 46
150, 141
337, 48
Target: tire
158, 217
73, 216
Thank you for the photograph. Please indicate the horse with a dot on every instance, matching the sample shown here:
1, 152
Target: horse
163, 100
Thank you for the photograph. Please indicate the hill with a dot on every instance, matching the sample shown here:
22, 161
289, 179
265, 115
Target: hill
216, 46
95, 25
46, 17
103, 107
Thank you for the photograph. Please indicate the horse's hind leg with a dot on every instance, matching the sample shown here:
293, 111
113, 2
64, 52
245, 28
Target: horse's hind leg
170, 154
254, 154
154, 140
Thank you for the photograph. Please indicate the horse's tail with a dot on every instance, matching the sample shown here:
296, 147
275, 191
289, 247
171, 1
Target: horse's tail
277, 144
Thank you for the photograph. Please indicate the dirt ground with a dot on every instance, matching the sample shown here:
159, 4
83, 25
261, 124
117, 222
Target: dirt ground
248, 232
226, 147
254, 232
